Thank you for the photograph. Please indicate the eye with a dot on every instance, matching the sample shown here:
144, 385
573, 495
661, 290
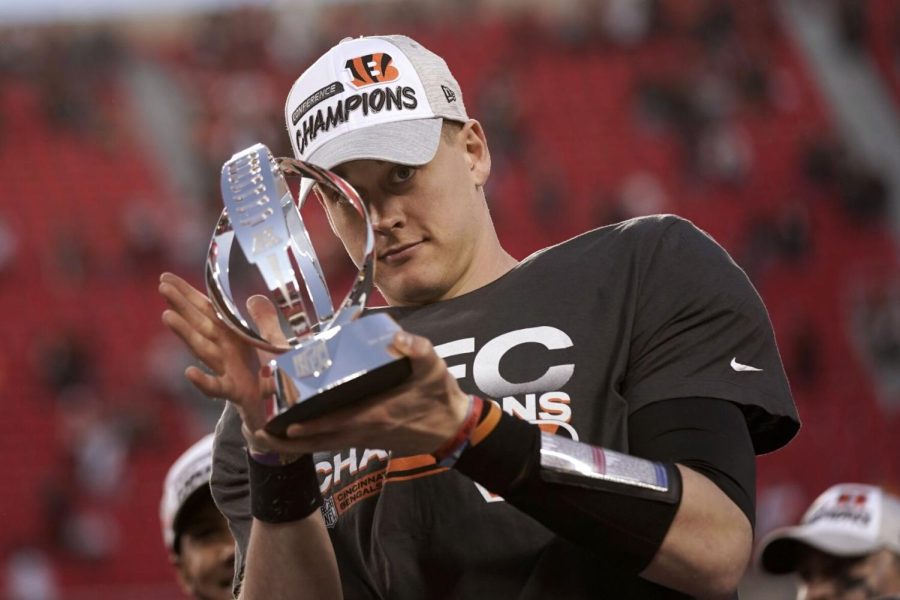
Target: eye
332, 198
402, 173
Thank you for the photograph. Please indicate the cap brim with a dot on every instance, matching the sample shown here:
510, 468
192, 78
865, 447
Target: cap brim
781, 548
413, 142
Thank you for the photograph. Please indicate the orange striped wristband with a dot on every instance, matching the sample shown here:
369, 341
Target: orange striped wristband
450, 451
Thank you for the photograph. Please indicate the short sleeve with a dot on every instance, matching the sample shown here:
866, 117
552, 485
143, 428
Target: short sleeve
230, 484
700, 329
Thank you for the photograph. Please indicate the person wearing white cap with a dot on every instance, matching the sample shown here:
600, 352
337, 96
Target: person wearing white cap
612, 390
194, 531
847, 546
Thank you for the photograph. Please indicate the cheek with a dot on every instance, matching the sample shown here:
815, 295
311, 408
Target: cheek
353, 237
198, 562
459, 223
354, 249
203, 563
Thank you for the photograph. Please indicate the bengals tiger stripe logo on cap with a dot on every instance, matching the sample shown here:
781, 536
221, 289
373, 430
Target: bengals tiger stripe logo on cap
370, 69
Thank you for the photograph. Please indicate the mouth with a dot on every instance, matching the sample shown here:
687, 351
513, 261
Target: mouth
399, 252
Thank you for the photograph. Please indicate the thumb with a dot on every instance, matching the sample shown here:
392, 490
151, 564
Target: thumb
256, 414
418, 349
264, 314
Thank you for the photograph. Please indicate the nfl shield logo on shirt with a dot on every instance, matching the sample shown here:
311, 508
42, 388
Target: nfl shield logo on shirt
328, 512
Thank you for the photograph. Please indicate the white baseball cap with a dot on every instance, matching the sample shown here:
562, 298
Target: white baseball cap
848, 519
379, 97
187, 475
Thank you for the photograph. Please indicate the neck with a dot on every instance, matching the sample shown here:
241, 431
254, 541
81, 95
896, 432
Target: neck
488, 263
492, 264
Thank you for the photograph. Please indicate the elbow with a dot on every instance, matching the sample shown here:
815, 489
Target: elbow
715, 576
714, 569
713, 580
722, 584
721, 577
708, 546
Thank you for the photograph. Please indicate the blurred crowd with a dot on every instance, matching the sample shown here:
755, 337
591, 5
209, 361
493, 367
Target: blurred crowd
232, 70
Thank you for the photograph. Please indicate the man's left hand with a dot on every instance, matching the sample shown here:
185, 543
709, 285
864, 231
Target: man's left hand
416, 417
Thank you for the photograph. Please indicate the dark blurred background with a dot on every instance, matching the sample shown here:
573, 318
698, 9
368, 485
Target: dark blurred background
772, 125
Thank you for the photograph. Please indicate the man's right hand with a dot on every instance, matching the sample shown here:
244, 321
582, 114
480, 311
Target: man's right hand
234, 364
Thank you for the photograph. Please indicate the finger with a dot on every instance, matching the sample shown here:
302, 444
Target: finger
191, 294
264, 314
324, 442
419, 350
368, 414
252, 443
309, 430
202, 321
267, 385
210, 385
199, 345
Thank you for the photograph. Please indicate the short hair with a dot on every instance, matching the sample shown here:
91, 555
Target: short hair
450, 129
201, 497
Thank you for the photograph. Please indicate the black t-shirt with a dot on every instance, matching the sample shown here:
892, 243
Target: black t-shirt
576, 338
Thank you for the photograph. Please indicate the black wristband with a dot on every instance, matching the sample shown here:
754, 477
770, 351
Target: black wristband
502, 459
284, 493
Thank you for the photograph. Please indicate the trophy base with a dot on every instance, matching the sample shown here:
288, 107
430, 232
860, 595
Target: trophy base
335, 368
374, 382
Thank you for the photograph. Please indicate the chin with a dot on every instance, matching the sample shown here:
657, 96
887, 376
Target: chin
413, 294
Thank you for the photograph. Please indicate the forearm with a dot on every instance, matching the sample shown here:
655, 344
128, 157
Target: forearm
708, 545
291, 560
630, 532
289, 554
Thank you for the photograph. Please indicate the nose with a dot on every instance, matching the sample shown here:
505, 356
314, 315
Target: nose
386, 213
818, 589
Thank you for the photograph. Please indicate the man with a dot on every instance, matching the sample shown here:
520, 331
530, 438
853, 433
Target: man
194, 531
643, 338
846, 547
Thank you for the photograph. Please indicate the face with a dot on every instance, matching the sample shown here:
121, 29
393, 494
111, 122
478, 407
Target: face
206, 560
434, 238
839, 578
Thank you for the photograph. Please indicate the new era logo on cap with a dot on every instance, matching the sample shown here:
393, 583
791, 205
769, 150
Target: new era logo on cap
449, 94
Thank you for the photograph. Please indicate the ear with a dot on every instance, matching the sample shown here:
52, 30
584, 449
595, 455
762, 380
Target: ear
478, 156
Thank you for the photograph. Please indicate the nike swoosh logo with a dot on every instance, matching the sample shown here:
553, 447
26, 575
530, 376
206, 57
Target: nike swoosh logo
739, 367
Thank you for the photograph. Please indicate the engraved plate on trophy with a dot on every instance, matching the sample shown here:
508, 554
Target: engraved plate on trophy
332, 356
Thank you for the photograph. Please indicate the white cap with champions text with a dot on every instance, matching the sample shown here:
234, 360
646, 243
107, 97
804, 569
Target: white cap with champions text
380, 97
189, 473
848, 519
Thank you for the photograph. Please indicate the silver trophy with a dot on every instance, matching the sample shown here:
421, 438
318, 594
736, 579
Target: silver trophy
332, 357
